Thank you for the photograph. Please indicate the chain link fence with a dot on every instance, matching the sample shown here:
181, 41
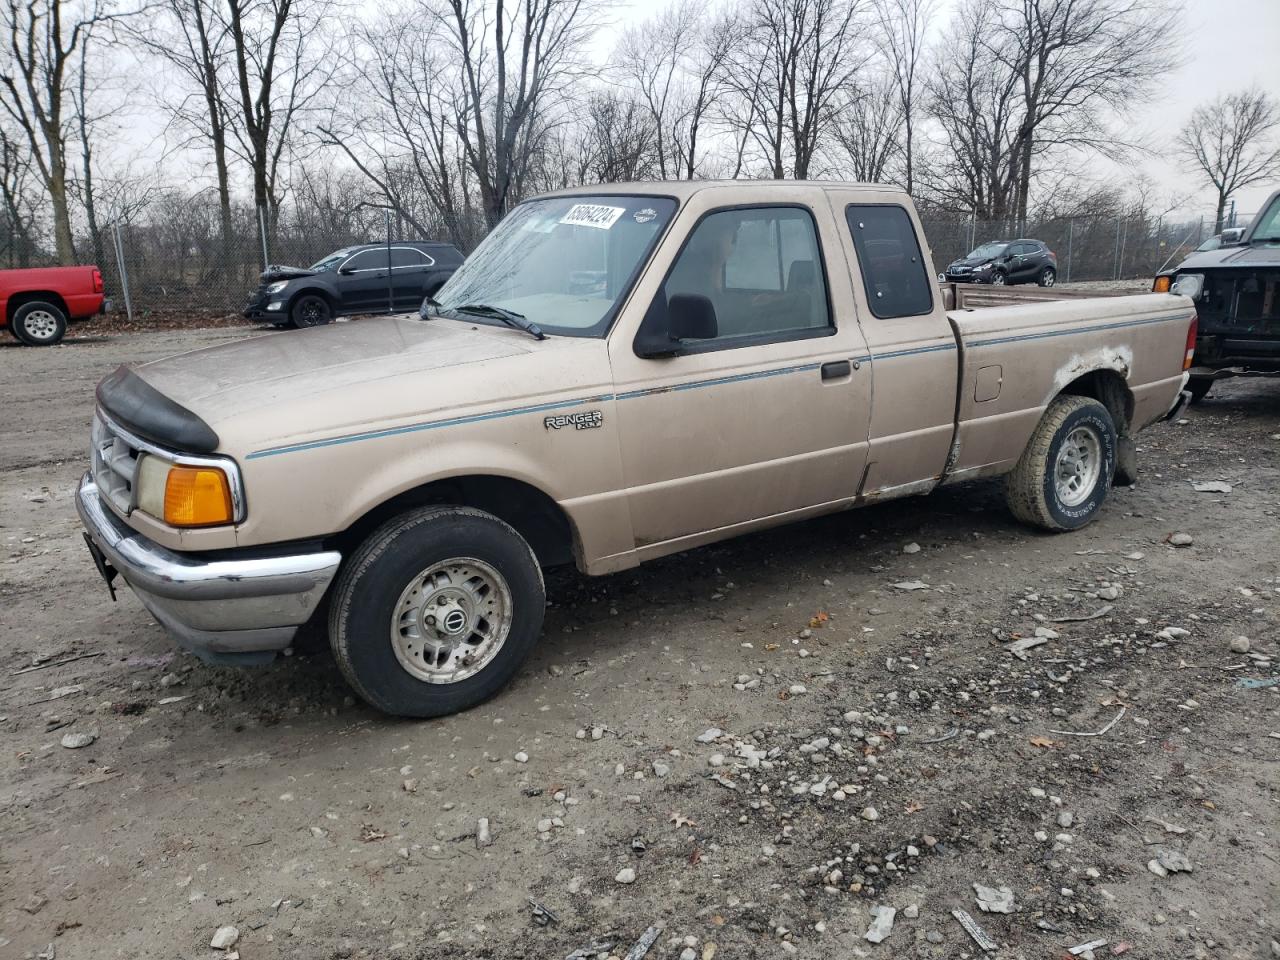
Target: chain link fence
183, 265
1088, 248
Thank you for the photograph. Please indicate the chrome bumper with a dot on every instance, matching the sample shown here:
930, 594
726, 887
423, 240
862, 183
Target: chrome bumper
237, 609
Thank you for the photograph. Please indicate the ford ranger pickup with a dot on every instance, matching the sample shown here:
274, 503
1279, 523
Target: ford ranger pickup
617, 373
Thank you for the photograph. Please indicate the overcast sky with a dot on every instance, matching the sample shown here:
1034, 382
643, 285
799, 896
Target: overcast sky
1228, 45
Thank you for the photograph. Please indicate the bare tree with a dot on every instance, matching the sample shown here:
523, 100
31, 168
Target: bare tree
1232, 142
868, 126
903, 25
623, 138
192, 39
518, 61
675, 62
42, 40
1078, 64
807, 55
18, 216
280, 60
400, 128
975, 108
1022, 80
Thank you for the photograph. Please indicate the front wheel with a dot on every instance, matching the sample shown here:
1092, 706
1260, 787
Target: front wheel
39, 324
1048, 277
1063, 476
436, 611
310, 310
998, 279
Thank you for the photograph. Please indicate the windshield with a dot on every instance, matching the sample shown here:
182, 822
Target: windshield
1268, 227
330, 262
565, 263
988, 250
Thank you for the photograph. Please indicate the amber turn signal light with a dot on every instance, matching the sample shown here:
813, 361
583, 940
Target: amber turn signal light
197, 497
1162, 284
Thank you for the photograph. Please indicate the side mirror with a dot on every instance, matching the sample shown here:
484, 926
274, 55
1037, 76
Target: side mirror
686, 316
1232, 235
691, 316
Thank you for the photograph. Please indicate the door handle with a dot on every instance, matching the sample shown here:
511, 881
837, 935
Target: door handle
836, 369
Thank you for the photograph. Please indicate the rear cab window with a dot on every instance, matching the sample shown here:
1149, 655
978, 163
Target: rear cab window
893, 269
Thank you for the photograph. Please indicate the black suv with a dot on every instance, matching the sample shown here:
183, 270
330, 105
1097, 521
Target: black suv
1004, 262
372, 278
1236, 287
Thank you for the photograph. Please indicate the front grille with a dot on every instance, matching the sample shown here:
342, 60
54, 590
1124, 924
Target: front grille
115, 463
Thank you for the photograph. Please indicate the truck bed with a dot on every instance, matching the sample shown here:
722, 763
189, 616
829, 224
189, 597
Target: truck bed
1016, 358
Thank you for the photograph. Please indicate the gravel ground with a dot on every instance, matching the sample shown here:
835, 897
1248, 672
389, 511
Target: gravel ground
762, 746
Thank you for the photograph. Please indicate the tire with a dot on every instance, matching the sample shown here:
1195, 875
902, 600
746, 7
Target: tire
39, 324
1048, 277
378, 621
1040, 490
1199, 388
998, 279
310, 310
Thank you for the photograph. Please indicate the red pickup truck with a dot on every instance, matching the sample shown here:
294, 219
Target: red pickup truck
37, 303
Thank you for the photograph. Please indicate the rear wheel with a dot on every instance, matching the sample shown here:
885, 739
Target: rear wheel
436, 611
1063, 476
1048, 277
39, 324
311, 310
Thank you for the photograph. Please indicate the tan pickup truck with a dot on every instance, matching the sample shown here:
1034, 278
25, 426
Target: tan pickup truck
616, 373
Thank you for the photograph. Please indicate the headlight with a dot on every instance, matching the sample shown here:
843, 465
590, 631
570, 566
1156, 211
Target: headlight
277, 286
183, 496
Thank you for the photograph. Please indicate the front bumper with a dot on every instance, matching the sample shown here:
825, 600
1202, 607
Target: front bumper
222, 610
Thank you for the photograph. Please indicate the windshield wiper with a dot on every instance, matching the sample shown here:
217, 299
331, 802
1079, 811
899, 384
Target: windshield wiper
509, 317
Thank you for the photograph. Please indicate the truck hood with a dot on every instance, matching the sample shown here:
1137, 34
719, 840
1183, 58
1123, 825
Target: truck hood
306, 380
970, 261
1240, 257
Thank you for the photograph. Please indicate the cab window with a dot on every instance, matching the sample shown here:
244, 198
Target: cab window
893, 269
761, 268
368, 260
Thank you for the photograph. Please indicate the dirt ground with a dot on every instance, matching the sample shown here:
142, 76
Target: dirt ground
877, 746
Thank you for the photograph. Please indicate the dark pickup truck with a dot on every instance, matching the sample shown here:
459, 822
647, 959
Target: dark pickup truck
1239, 304
371, 278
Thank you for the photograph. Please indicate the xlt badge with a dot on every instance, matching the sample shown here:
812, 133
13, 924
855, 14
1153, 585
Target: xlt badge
586, 420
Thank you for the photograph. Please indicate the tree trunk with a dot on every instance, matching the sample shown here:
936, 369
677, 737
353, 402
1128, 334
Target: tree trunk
910, 151
64, 244
1222, 206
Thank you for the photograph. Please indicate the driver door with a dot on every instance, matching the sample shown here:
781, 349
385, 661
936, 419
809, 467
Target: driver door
764, 420
362, 282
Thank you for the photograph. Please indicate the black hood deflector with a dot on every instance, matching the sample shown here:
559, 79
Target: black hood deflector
142, 409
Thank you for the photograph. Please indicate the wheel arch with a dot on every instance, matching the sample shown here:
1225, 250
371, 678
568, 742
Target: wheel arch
17, 300
329, 296
538, 518
1109, 387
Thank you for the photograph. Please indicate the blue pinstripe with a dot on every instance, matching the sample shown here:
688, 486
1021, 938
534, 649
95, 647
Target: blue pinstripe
691, 385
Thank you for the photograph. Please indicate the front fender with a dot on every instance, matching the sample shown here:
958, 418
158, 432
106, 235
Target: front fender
314, 491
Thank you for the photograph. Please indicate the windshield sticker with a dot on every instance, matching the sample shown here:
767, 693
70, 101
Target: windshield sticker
592, 215
645, 215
